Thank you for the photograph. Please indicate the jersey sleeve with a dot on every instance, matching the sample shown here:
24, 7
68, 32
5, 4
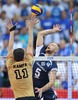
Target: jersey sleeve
40, 51
53, 66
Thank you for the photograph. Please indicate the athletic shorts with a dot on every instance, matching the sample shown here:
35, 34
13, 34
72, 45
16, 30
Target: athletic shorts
26, 98
47, 96
50, 96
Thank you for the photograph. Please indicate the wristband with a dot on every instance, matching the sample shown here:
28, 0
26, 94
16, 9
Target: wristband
13, 28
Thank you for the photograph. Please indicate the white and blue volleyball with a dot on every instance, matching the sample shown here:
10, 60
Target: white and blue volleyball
37, 10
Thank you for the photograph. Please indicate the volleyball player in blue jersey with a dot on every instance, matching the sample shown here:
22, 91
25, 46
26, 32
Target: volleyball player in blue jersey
44, 72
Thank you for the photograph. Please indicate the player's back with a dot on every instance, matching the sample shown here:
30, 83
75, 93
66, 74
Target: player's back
20, 75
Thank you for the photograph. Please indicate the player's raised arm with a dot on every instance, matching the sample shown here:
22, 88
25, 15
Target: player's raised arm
31, 23
41, 34
9, 25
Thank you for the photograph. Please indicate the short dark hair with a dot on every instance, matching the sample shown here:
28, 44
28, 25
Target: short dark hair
18, 54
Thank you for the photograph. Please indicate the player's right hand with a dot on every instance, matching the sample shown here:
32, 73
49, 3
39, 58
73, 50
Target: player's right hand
57, 28
32, 21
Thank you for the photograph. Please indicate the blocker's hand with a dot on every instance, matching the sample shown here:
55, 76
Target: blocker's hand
8, 23
32, 21
57, 28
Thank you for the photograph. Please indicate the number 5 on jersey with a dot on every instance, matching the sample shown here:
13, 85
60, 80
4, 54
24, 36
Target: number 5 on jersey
37, 73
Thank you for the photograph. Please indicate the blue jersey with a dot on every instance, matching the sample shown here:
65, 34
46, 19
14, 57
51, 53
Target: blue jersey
41, 69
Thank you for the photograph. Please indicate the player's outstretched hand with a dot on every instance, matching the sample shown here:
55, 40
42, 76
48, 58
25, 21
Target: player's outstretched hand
32, 21
57, 28
8, 23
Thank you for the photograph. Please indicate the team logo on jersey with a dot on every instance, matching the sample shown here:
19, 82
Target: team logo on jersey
48, 64
42, 63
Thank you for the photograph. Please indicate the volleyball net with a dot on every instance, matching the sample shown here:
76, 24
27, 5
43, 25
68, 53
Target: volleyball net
66, 84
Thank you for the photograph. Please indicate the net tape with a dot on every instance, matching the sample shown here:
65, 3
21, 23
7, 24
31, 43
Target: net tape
53, 58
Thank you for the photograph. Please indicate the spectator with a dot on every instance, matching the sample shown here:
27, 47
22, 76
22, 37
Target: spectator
2, 22
75, 26
47, 23
17, 43
10, 9
63, 51
48, 6
72, 5
27, 2
6, 82
56, 11
17, 3
23, 37
65, 24
0, 6
5, 47
4, 1
66, 49
24, 11
64, 3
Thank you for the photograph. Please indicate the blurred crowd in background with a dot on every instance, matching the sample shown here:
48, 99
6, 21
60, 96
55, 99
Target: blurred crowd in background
55, 12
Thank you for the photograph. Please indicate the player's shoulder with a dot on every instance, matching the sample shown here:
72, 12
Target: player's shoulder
29, 58
40, 51
29, 55
39, 48
52, 64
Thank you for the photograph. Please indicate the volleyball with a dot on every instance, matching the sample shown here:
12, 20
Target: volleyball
37, 10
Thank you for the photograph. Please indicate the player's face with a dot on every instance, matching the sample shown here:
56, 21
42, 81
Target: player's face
50, 48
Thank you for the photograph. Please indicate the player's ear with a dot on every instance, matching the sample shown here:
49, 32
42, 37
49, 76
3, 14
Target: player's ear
55, 51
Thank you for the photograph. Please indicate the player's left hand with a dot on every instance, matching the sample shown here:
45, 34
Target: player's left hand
8, 23
39, 90
57, 28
